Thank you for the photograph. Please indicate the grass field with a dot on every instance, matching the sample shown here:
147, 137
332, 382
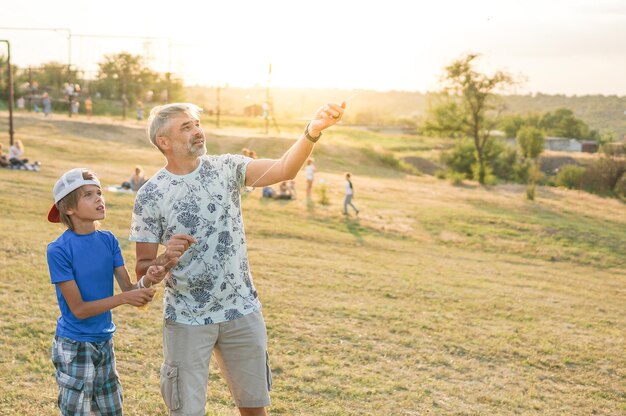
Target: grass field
438, 300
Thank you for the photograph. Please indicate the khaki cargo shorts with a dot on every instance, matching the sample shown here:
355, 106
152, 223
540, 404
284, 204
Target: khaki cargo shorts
240, 348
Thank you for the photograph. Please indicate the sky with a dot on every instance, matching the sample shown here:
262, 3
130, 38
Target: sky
572, 47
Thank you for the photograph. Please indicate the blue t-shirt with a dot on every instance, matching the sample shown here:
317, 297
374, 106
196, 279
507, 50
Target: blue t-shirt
88, 259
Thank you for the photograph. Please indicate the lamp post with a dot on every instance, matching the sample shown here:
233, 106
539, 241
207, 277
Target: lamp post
10, 72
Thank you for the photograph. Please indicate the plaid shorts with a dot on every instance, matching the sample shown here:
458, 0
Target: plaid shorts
87, 379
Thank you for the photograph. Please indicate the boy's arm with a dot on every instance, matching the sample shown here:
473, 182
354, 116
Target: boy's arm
83, 310
123, 279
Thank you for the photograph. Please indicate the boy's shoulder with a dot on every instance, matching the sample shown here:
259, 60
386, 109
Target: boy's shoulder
68, 236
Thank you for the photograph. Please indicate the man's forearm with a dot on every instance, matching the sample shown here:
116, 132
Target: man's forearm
142, 266
295, 157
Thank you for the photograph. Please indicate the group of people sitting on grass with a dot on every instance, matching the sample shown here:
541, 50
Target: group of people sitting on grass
15, 159
286, 190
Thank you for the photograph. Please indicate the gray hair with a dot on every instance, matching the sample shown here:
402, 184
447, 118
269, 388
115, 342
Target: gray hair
162, 114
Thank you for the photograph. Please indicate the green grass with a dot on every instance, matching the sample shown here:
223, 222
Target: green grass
439, 299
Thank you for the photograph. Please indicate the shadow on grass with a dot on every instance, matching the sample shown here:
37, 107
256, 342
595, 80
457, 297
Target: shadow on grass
354, 227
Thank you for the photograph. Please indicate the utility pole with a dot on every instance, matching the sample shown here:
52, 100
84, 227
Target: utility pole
218, 109
10, 73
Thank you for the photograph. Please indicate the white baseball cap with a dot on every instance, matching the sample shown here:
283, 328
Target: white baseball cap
70, 181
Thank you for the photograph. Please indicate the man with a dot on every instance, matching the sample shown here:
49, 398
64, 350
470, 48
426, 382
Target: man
193, 205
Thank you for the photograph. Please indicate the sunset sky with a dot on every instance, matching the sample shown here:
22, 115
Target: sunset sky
557, 46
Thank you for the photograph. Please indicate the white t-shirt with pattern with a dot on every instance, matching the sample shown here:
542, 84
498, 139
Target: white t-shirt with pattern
212, 281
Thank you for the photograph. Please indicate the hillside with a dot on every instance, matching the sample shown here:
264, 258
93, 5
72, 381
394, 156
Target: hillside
436, 300
602, 113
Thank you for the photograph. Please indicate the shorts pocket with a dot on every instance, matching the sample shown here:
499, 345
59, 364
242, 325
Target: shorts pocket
268, 371
70, 393
169, 386
64, 351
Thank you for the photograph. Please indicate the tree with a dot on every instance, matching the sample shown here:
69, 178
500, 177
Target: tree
467, 104
123, 74
562, 123
530, 142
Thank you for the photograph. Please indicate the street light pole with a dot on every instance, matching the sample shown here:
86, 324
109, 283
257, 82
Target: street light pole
10, 72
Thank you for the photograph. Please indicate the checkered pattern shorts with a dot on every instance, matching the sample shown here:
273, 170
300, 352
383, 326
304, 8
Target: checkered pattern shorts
87, 379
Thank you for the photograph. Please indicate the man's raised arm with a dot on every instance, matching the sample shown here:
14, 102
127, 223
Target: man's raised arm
264, 172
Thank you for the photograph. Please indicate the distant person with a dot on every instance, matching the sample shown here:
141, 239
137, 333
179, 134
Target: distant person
139, 110
211, 305
75, 106
292, 187
47, 103
16, 153
82, 263
284, 192
137, 180
310, 176
89, 107
4, 160
245, 151
21, 103
268, 192
349, 195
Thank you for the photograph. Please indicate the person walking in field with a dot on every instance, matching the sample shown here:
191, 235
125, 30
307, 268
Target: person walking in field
82, 263
349, 196
211, 304
310, 176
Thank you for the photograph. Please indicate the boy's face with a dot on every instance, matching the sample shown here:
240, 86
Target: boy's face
90, 206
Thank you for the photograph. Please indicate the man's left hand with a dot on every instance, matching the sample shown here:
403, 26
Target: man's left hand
328, 115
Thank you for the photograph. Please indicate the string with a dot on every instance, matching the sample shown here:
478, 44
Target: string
250, 188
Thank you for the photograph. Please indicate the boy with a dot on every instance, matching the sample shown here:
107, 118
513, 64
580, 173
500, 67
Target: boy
82, 263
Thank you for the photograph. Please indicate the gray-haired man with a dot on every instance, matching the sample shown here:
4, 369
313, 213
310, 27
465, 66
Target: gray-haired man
211, 304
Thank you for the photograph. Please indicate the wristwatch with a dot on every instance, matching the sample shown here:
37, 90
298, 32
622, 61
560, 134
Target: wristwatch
309, 137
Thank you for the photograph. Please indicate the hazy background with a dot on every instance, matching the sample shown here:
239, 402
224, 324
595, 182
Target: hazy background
560, 47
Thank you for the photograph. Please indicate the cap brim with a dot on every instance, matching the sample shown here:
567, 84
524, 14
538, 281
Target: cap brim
53, 215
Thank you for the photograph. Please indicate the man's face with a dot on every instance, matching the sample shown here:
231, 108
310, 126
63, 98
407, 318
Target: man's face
186, 137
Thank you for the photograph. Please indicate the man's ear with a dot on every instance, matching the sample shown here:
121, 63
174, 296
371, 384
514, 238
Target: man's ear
163, 142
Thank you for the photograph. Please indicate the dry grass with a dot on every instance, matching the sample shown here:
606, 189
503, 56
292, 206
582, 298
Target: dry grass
437, 300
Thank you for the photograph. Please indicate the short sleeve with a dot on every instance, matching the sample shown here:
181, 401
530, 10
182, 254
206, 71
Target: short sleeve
146, 225
118, 260
59, 264
239, 164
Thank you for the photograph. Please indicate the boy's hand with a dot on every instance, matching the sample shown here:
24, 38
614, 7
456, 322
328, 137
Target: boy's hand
139, 297
156, 274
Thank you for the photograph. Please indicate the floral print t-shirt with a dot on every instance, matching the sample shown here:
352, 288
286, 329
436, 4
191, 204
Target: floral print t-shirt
212, 281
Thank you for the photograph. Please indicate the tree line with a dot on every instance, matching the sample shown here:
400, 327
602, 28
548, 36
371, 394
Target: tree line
469, 109
122, 80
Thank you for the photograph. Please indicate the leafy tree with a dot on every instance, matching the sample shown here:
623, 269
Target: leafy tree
4, 77
500, 159
50, 76
511, 124
530, 142
123, 74
467, 103
562, 123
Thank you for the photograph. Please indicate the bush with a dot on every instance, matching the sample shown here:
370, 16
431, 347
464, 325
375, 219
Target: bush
570, 176
322, 191
455, 178
499, 159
